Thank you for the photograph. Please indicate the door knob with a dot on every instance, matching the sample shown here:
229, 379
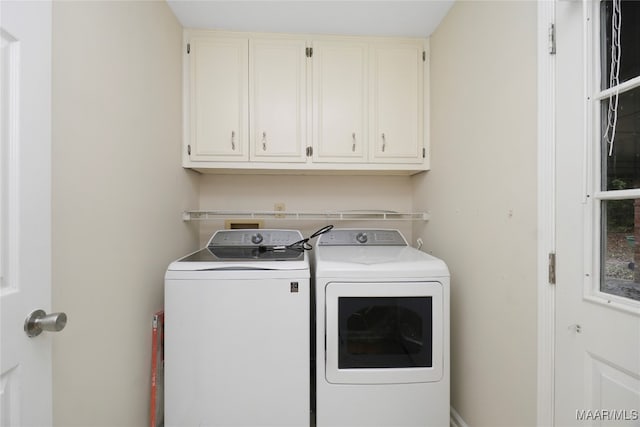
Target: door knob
39, 321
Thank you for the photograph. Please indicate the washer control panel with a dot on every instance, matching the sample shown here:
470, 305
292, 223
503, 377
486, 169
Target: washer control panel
262, 237
364, 237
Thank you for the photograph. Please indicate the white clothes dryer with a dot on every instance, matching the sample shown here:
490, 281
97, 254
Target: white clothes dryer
382, 332
237, 332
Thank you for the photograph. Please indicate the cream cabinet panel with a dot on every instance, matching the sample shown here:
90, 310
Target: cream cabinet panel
277, 76
397, 99
218, 88
280, 103
340, 87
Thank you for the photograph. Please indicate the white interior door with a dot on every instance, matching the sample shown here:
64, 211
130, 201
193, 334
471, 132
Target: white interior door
25, 212
597, 363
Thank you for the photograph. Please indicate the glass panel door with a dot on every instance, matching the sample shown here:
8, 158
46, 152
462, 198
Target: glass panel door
618, 137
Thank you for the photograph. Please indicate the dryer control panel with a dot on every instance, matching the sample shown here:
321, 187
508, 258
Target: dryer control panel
362, 237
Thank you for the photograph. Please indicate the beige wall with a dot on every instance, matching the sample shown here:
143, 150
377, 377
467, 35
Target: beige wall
118, 191
306, 193
481, 193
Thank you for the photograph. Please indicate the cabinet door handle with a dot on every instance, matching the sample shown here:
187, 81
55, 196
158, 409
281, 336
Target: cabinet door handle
384, 142
353, 147
233, 140
264, 141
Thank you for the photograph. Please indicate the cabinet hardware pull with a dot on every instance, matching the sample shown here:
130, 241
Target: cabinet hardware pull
384, 142
264, 141
353, 147
233, 142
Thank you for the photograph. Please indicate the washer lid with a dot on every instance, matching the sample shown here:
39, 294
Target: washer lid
263, 249
253, 254
205, 260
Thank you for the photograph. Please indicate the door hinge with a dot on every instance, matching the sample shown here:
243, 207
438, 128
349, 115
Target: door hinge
424, 152
424, 56
309, 52
309, 151
188, 48
189, 149
552, 39
552, 268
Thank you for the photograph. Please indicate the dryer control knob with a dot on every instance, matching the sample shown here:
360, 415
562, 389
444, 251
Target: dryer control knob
256, 238
362, 237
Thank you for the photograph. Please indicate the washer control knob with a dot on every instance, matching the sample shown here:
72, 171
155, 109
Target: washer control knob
362, 237
257, 238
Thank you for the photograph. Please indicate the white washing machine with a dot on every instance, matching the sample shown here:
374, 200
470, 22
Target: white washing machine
382, 332
237, 332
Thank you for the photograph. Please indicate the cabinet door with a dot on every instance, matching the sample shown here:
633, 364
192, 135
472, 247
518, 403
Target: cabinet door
218, 90
397, 102
340, 86
277, 75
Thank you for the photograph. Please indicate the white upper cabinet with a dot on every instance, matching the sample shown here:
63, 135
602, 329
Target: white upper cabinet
218, 108
397, 102
277, 100
340, 88
265, 102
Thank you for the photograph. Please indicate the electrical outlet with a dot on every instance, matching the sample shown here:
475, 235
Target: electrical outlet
279, 207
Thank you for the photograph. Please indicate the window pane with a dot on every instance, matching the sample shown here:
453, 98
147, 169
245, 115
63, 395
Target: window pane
621, 169
621, 248
629, 40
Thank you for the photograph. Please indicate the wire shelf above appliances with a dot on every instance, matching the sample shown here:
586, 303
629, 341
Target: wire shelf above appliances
372, 215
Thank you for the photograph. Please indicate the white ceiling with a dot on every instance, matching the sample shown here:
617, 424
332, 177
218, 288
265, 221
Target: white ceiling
414, 18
